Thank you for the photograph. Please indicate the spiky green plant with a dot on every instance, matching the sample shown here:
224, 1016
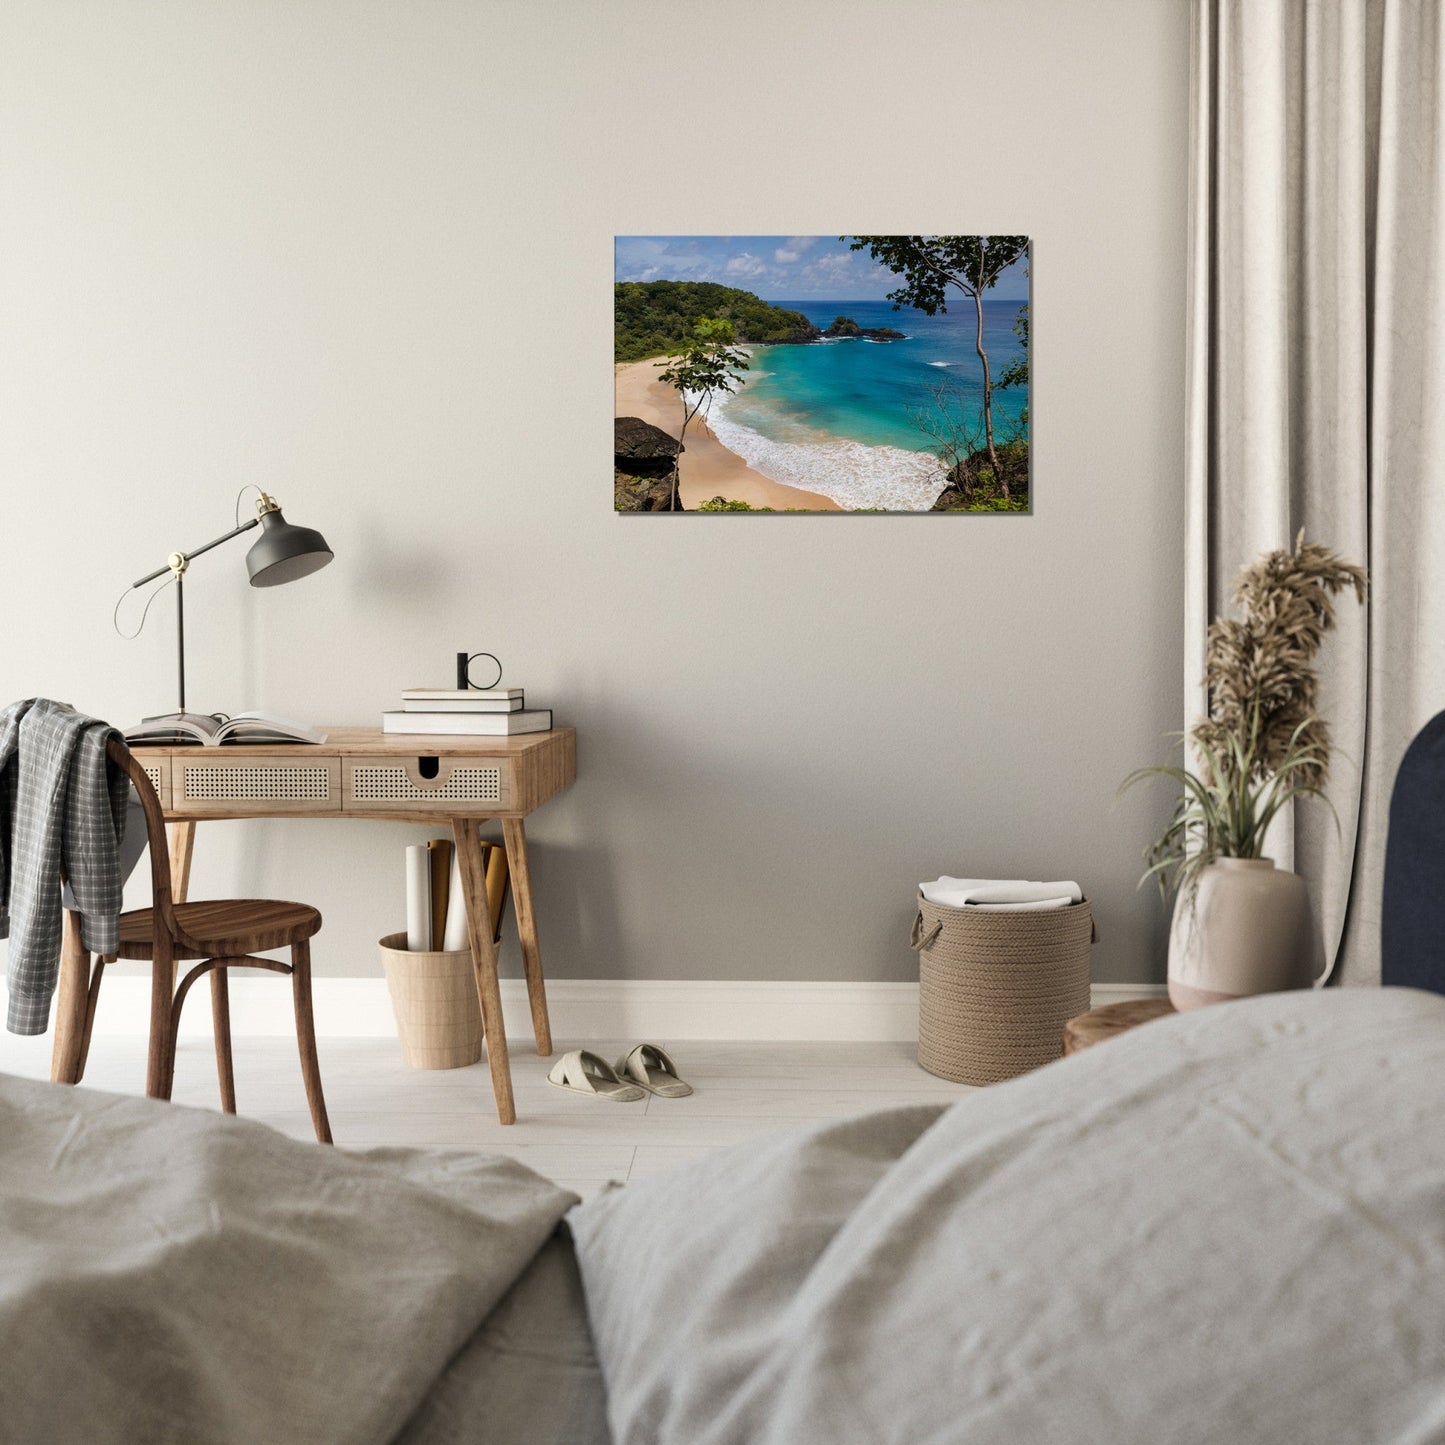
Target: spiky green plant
1263, 744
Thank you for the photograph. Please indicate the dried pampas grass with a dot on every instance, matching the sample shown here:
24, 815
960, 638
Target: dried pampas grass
1263, 744
1260, 669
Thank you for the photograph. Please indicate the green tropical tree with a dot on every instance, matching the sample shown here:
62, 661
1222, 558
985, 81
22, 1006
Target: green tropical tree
1016, 373
929, 266
709, 362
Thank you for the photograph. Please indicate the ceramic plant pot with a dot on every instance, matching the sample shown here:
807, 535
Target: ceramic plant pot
1245, 929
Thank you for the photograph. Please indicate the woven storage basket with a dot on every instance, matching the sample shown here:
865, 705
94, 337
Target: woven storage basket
996, 988
434, 997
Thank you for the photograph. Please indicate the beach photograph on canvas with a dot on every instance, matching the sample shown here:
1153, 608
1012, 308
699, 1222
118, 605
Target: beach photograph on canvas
821, 374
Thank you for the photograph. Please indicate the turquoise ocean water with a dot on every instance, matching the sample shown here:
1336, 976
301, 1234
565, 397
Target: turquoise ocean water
836, 417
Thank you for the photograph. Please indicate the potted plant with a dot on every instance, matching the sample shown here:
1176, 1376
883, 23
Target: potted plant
1241, 925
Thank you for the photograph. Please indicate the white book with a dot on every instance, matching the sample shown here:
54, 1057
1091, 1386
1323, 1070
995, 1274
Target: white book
472, 703
458, 694
469, 724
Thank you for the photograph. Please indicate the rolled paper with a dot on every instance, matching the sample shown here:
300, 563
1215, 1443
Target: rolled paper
439, 852
455, 936
497, 879
418, 898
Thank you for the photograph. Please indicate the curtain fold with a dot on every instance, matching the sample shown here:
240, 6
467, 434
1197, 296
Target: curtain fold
1316, 381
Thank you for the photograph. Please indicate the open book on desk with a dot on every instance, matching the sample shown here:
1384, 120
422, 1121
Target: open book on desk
215, 729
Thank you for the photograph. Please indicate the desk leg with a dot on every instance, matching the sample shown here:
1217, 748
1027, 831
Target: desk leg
484, 961
70, 1004
516, 840
183, 838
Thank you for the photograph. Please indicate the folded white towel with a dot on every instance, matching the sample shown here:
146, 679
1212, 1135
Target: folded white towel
1000, 894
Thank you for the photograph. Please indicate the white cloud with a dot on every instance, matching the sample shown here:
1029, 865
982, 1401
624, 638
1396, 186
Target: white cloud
837, 267
746, 264
794, 250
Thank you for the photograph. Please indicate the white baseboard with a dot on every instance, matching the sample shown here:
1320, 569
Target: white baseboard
580, 1009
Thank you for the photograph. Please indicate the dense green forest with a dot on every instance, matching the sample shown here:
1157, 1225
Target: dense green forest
653, 318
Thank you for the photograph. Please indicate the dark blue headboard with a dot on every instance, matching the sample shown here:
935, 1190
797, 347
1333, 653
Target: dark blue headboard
1412, 931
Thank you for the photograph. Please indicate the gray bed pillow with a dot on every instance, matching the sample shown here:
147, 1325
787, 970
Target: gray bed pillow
1226, 1226
687, 1272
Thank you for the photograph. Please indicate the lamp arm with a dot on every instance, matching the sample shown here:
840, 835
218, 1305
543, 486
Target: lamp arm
185, 557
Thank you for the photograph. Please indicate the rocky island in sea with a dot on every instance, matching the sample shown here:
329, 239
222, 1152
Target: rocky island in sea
653, 318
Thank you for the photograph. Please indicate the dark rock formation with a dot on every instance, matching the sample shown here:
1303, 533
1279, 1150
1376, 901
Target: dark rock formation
846, 326
642, 494
645, 457
796, 336
643, 450
972, 479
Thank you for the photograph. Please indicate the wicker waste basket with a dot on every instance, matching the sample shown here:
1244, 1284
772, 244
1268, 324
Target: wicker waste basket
997, 987
434, 997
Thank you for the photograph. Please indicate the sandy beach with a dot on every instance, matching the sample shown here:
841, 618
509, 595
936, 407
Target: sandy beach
708, 468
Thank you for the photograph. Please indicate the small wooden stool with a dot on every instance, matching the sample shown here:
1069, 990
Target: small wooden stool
1111, 1020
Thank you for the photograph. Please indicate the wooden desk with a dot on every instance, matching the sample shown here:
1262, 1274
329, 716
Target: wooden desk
394, 778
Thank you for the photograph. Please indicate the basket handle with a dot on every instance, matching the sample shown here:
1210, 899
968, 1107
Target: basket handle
916, 941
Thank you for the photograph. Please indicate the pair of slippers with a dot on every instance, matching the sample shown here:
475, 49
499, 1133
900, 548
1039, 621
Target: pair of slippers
646, 1068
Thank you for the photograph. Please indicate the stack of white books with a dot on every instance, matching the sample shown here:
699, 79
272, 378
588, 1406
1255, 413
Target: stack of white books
497, 712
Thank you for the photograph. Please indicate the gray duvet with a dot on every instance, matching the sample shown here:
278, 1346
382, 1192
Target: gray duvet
170, 1274
1225, 1227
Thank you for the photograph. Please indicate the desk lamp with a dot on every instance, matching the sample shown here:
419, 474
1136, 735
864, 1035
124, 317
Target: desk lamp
282, 553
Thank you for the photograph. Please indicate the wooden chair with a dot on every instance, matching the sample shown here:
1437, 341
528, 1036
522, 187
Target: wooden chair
217, 935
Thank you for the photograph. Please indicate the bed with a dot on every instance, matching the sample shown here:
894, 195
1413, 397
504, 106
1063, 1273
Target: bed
1226, 1226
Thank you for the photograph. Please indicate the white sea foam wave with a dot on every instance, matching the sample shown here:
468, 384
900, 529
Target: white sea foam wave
850, 473
938, 363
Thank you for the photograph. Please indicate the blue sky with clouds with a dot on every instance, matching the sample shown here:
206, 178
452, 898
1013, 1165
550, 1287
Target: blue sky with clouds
777, 268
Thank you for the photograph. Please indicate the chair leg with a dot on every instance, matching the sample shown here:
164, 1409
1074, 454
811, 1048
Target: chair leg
161, 1060
70, 1004
92, 999
221, 1028
306, 1038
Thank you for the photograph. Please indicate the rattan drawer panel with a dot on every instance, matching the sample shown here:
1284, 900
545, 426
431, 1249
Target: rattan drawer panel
158, 770
399, 785
236, 783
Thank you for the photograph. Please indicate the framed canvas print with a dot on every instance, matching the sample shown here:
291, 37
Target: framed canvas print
822, 374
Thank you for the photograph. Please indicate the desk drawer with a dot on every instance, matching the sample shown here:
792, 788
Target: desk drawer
235, 783
158, 770
401, 784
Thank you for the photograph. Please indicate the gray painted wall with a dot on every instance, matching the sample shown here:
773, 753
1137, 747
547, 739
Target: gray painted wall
360, 253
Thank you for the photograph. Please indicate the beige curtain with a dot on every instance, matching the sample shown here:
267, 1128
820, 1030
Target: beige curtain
1316, 379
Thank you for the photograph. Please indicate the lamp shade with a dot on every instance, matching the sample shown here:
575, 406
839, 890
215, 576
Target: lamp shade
283, 553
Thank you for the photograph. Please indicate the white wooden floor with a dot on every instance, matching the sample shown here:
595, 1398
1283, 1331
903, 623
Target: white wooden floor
741, 1090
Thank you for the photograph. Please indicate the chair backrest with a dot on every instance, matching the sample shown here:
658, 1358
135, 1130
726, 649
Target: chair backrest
161, 901
1412, 920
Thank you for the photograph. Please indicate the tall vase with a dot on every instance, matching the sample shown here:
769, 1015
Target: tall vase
1245, 929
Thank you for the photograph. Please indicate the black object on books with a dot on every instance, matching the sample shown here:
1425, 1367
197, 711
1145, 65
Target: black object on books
214, 729
469, 724
464, 671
